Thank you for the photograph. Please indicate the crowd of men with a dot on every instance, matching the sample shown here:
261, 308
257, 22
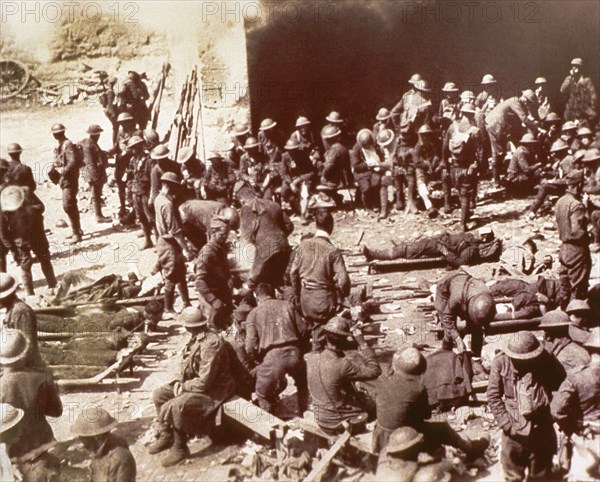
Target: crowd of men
291, 316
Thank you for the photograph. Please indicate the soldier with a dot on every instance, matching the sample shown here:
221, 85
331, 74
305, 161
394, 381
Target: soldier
336, 170
370, 172
449, 109
504, 123
383, 121
274, 331
579, 312
161, 164
196, 216
402, 401
388, 144
133, 97
580, 94
241, 132
31, 389
542, 98
330, 375
417, 112
269, 141
20, 316
583, 141
405, 99
139, 169
572, 222
460, 295
111, 457
334, 119
576, 409
460, 154
487, 98
213, 279
562, 164
299, 176
108, 101
568, 133
126, 131
457, 249
193, 170
22, 231
68, 163
255, 170
423, 163
521, 383
94, 172
18, 174
151, 139
319, 277
188, 404
556, 341
523, 172
264, 225
219, 179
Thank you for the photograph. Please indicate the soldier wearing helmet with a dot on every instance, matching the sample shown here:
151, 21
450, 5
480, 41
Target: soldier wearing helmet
540, 86
421, 166
196, 216
371, 174
304, 137
337, 170
461, 154
387, 142
524, 170
192, 170
269, 140
67, 163
505, 122
449, 109
138, 183
383, 121
330, 375
108, 101
94, 171
460, 295
580, 94
489, 97
219, 178
240, 133
18, 174
405, 99
298, 178
162, 163
255, 170
127, 129
334, 119
133, 97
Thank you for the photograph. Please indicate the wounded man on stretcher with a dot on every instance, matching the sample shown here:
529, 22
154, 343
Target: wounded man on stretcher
456, 249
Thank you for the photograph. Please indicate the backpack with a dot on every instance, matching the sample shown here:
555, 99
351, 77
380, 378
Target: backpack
79, 155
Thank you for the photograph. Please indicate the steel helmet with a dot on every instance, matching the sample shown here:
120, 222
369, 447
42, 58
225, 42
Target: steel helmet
151, 136
9, 416
91, 425
14, 148
302, 121
124, 117
185, 154
523, 345
569, 126
540, 80
192, 317
552, 117
559, 145
468, 107
422, 86
14, 346
425, 129
577, 61
94, 129
232, 217
338, 326
364, 137
134, 141
488, 79
56, 128
467, 96
402, 439
409, 361
8, 285
385, 137
383, 114
331, 131
584, 131
241, 129
450, 87
291, 144
591, 155
482, 309
414, 78
529, 95
171, 178
213, 155
251, 142
528, 139
160, 152
267, 124
12, 198
334, 117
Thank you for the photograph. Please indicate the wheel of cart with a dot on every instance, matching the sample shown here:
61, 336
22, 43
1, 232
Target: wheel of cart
14, 77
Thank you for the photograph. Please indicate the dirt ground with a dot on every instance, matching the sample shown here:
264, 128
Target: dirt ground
109, 249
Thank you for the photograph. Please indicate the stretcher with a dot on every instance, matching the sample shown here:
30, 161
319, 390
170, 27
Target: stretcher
379, 266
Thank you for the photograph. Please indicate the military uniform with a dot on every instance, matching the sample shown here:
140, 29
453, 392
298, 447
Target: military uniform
218, 181
298, 176
171, 264
196, 216
67, 162
581, 99
574, 256
452, 301
522, 174
330, 375
132, 99
113, 462
206, 381
521, 407
213, 283
20, 316
264, 225
18, 174
140, 167
94, 172
337, 167
256, 172
370, 176
122, 158
556, 186
570, 355
420, 167
273, 334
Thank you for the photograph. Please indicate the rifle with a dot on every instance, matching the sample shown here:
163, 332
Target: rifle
158, 92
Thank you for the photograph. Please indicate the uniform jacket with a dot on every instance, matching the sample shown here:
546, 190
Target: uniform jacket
507, 117
219, 179
336, 169
254, 170
521, 164
198, 214
446, 377
32, 390
581, 98
271, 324
157, 169
113, 462
570, 355
263, 224
578, 399
307, 143
167, 216
18, 174
462, 144
212, 272
22, 317
330, 375
140, 168
511, 412
66, 160
359, 161
572, 220
297, 168
171, 261
95, 161
205, 367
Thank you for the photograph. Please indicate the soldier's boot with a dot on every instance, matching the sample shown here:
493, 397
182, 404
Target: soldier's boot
447, 190
411, 195
382, 254
465, 212
400, 201
178, 452
496, 172
48, 272
383, 201
163, 442
147, 235
184, 293
100, 218
169, 298
27, 279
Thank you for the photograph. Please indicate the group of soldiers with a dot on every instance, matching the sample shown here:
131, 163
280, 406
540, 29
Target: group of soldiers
292, 316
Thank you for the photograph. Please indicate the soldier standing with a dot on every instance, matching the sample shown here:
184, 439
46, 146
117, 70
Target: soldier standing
423, 162
241, 132
94, 172
486, 100
108, 101
196, 216
299, 175
219, 179
126, 131
68, 164
18, 174
319, 277
572, 221
133, 99
192, 169
336, 169
580, 94
542, 98
405, 99
388, 145
255, 170
139, 179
